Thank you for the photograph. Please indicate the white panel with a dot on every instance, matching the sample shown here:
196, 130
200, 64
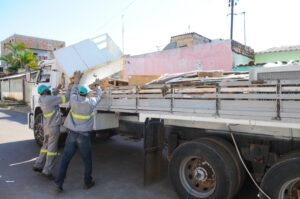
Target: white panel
85, 54
102, 71
195, 104
124, 103
69, 60
154, 103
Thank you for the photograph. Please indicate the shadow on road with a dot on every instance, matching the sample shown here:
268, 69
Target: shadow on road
13, 116
117, 169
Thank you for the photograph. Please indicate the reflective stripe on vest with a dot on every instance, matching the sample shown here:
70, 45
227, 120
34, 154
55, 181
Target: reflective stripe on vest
63, 99
51, 153
83, 117
44, 150
49, 114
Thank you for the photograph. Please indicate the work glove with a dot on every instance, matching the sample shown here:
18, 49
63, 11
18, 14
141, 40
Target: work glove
97, 82
63, 80
70, 86
77, 76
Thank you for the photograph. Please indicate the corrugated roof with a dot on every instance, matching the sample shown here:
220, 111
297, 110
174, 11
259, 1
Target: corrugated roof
11, 76
280, 49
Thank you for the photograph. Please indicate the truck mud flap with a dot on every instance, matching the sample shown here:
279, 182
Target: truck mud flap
153, 146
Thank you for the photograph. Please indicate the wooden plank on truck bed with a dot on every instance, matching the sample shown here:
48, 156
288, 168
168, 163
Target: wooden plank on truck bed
195, 90
150, 91
210, 74
141, 79
123, 91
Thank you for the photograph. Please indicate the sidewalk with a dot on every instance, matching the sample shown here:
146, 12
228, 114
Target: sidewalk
14, 105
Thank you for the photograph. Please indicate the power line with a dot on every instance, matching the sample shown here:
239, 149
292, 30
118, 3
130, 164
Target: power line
114, 16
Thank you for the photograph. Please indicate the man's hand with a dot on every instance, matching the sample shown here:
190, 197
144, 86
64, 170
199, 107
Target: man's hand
59, 86
70, 86
77, 76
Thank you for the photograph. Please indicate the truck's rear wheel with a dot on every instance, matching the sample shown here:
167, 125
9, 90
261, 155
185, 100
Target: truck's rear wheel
197, 170
240, 171
38, 131
282, 181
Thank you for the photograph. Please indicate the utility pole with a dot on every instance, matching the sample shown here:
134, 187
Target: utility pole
123, 34
232, 13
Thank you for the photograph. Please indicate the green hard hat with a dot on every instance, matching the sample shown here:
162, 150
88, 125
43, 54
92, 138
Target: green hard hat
83, 89
42, 88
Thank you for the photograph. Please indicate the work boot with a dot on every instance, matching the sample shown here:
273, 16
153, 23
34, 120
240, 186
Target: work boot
36, 169
89, 185
58, 188
48, 176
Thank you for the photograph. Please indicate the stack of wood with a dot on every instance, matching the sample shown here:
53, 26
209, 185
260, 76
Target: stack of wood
134, 80
109, 82
195, 77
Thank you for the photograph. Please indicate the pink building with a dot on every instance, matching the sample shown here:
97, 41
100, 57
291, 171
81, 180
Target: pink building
189, 52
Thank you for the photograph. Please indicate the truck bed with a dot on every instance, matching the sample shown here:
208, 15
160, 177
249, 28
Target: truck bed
273, 104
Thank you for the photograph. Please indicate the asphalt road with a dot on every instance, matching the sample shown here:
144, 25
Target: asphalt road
117, 168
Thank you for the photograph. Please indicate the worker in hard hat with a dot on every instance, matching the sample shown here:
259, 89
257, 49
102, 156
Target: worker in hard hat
49, 103
80, 122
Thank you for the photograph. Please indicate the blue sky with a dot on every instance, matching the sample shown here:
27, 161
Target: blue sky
151, 23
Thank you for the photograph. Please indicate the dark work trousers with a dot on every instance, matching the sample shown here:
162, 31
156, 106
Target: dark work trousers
81, 141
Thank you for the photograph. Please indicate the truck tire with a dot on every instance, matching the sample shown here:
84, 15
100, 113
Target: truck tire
240, 171
103, 134
230, 166
197, 170
38, 131
282, 180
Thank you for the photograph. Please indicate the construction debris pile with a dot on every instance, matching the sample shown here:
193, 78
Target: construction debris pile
200, 77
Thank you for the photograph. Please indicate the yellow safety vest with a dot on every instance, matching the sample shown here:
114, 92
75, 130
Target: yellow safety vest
83, 117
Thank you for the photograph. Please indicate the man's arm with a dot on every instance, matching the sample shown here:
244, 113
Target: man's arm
55, 91
95, 100
74, 92
74, 85
55, 100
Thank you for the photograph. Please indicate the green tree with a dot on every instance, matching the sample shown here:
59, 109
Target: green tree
19, 57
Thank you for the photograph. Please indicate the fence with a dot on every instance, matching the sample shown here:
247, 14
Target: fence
16, 88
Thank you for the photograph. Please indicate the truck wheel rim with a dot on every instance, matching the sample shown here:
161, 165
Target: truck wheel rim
197, 177
39, 132
38, 129
290, 189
